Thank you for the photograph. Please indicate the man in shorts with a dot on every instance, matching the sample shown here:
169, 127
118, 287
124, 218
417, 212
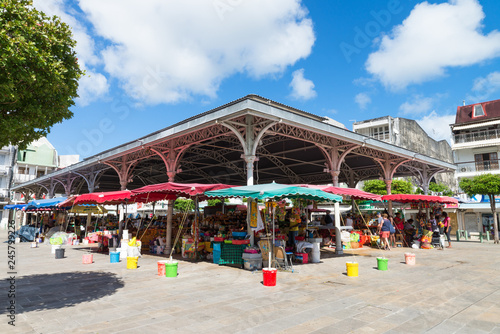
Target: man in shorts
384, 231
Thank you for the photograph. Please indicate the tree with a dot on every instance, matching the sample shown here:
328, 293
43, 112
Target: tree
397, 187
437, 188
484, 184
39, 72
183, 204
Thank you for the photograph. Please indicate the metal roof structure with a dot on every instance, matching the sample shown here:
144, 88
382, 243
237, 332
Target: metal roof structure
250, 140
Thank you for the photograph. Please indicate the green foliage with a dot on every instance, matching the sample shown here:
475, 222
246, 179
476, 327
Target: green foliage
213, 202
397, 187
183, 204
437, 188
375, 187
401, 187
484, 184
39, 72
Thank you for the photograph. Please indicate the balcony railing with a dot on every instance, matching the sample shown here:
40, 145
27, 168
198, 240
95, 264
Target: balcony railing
21, 178
477, 136
484, 166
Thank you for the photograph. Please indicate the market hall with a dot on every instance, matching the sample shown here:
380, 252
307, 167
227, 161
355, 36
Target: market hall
252, 140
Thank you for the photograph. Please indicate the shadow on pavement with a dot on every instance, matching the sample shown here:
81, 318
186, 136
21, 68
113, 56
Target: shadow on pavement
55, 291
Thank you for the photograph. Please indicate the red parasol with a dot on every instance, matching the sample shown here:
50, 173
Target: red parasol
171, 190
353, 192
110, 198
68, 202
411, 198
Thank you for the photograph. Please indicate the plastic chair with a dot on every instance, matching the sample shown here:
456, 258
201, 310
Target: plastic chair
283, 258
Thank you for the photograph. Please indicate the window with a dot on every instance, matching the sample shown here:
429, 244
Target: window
486, 161
380, 132
478, 110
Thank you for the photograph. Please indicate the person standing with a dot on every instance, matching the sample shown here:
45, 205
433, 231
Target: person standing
328, 218
447, 227
399, 222
349, 221
293, 232
384, 230
392, 239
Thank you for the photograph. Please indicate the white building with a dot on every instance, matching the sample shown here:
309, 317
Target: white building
475, 145
7, 162
19, 166
408, 134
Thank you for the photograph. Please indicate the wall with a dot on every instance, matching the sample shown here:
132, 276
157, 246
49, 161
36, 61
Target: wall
414, 138
40, 153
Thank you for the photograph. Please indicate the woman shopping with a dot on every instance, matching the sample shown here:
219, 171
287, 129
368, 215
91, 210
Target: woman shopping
447, 228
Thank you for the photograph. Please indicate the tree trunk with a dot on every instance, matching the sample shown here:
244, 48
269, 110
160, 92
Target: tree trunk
495, 219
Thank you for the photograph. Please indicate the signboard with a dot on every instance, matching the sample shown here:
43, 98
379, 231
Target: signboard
485, 198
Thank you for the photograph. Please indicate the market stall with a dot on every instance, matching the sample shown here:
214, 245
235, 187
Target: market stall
428, 229
272, 192
171, 191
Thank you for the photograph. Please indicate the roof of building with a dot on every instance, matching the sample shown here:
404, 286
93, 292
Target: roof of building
465, 113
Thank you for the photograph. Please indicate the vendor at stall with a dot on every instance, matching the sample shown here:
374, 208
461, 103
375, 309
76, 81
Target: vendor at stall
399, 222
293, 232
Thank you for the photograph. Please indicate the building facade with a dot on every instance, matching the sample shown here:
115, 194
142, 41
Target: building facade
18, 166
476, 145
38, 159
408, 134
7, 164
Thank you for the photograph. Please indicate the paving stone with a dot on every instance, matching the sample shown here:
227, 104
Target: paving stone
60, 296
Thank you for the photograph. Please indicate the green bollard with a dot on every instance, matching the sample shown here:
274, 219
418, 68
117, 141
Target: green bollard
481, 237
458, 235
488, 235
466, 235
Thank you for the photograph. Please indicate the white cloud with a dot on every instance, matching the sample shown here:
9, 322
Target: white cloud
362, 99
432, 38
484, 88
93, 85
167, 51
437, 126
302, 88
418, 105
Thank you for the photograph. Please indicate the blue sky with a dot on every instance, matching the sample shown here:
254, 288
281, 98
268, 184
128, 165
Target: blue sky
153, 63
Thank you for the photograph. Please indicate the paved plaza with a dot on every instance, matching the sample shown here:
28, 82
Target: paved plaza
454, 290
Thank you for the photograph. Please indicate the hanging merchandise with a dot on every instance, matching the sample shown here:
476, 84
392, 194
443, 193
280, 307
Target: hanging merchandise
254, 211
256, 223
281, 210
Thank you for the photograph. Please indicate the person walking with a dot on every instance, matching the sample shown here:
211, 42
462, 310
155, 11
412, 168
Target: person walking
384, 230
447, 228
392, 239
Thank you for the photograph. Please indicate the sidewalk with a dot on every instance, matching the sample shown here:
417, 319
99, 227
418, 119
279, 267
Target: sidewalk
456, 290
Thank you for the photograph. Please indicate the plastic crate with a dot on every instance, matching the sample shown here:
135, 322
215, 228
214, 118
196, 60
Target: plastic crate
231, 254
241, 242
239, 235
